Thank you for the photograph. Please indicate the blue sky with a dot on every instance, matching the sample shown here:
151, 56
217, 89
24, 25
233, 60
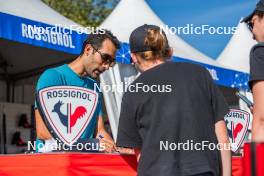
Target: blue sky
199, 12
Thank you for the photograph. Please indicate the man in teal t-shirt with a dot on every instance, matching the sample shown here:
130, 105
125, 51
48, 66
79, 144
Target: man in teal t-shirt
98, 54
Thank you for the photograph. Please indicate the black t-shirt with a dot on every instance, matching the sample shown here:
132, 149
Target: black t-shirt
256, 64
153, 121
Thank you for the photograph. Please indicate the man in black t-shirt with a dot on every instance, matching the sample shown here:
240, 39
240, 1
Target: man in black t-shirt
255, 23
172, 114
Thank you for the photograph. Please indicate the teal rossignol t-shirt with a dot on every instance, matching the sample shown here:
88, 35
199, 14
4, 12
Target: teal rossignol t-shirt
64, 75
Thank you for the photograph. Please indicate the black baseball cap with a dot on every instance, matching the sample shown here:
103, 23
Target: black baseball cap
137, 38
259, 7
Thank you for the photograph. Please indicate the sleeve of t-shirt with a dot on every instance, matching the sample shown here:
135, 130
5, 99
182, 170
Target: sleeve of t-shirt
48, 78
256, 64
128, 134
219, 105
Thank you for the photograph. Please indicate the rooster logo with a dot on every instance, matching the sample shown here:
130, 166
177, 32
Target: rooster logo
67, 110
69, 120
237, 122
234, 131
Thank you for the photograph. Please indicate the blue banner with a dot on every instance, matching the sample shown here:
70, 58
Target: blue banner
40, 34
223, 76
62, 39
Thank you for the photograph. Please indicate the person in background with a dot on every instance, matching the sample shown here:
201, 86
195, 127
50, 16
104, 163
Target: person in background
170, 104
97, 55
255, 22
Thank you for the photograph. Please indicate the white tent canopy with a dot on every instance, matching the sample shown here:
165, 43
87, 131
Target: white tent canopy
130, 14
35, 10
236, 53
18, 18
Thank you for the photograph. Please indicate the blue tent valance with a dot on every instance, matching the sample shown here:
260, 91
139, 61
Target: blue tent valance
40, 34
30, 32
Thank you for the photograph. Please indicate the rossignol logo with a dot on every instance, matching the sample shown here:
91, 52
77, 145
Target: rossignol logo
67, 110
237, 122
69, 119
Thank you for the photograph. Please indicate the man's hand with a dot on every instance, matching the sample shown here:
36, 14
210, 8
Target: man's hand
122, 150
107, 146
106, 142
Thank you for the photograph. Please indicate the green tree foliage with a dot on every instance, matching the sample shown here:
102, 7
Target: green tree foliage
84, 12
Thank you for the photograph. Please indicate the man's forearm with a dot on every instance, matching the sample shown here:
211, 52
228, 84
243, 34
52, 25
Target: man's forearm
258, 112
258, 129
222, 137
226, 162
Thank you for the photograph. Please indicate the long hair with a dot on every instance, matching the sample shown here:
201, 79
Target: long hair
157, 41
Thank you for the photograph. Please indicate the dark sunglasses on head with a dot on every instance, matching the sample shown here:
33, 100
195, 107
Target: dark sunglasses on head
107, 59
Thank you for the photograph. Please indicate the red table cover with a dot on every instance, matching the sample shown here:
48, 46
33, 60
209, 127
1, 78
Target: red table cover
79, 164
68, 164
258, 157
